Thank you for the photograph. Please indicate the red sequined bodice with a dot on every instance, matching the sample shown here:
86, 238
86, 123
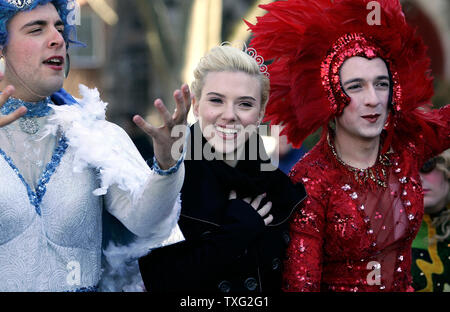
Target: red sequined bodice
354, 231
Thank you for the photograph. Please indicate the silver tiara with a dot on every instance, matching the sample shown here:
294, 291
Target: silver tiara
252, 52
259, 60
20, 4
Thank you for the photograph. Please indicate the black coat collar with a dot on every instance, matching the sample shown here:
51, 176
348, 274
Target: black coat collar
208, 183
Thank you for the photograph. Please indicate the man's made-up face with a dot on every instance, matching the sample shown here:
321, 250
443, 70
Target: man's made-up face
229, 104
367, 84
36, 51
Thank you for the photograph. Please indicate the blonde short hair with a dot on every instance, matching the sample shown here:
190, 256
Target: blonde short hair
228, 58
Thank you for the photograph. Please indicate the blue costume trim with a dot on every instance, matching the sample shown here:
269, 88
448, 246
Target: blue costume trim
85, 289
34, 109
62, 97
155, 167
65, 8
154, 163
36, 197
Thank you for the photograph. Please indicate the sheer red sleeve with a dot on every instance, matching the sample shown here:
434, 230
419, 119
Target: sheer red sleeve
303, 266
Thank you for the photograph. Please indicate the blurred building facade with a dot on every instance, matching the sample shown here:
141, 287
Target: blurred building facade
139, 50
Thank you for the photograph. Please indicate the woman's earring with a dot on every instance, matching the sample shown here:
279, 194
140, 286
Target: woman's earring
67, 66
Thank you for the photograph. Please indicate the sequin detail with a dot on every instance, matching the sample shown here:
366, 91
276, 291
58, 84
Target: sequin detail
377, 173
85, 289
155, 167
36, 196
349, 45
34, 109
331, 250
20, 4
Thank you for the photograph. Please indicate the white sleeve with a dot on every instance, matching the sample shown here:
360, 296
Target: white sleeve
144, 201
156, 212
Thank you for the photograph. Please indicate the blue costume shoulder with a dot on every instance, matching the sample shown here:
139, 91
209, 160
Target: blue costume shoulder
62, 97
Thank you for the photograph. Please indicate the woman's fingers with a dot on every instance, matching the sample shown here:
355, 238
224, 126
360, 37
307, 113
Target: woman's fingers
265, 209
164, 113
257, 201
187, 99
183, 101
268, 220
145, 126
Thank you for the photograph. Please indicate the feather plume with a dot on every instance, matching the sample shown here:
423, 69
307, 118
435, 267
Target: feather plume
297, 36
100, 144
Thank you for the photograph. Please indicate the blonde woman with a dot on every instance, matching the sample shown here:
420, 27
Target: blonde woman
234, 214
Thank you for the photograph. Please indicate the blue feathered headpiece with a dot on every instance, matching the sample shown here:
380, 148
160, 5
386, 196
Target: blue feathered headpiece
65, 8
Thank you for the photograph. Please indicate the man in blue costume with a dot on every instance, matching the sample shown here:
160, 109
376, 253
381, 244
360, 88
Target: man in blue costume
61, 162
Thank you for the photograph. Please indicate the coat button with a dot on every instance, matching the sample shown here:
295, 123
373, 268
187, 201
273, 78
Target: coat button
250, 283
276, 263
224, 286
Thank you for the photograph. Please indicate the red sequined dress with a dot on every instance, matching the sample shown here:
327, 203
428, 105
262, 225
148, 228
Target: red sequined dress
354, 232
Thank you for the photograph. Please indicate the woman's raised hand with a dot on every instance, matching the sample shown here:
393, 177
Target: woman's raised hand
162, 136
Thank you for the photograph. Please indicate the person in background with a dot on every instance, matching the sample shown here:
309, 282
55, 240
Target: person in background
431, 248
289, 155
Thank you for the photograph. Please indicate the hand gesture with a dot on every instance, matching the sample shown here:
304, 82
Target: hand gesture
255, 203
7, 119
162, 138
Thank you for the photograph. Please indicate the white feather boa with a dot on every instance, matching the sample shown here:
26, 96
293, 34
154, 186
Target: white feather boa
105, 146
101, 144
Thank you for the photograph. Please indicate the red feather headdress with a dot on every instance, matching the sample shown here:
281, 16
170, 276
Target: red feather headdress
309, 40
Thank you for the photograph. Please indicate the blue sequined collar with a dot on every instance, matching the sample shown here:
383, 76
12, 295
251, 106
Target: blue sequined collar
35, 109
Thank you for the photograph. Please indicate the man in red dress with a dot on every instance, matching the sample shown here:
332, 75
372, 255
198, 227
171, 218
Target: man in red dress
366, 85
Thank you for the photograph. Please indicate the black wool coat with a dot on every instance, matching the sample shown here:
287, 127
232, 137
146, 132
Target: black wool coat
227, 248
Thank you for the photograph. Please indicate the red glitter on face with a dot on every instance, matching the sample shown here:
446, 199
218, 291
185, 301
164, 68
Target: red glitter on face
345, 47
